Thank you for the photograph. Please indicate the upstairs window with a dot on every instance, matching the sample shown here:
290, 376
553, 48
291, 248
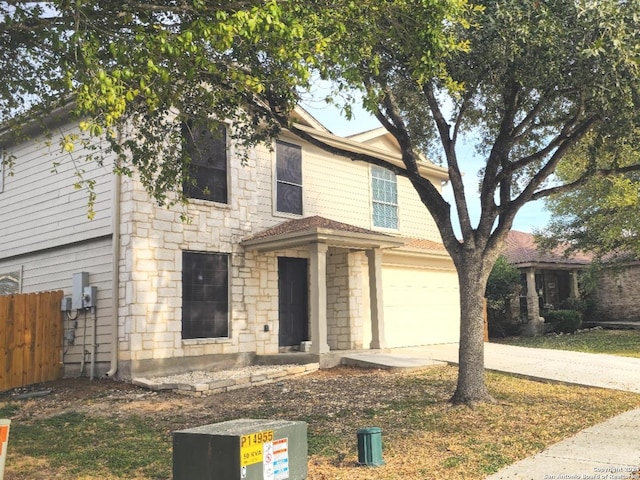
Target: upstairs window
384, 198
288, 178
205, 295
208, 168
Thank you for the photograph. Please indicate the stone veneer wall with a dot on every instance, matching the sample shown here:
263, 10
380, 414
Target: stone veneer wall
617, 294
152, 241
359, 301
347, 299
338, 314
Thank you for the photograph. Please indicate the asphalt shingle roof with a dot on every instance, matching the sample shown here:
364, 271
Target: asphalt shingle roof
309, 223
520, 248
317, 222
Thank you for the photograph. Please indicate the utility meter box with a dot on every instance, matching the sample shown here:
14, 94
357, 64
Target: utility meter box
241, 449
80, 281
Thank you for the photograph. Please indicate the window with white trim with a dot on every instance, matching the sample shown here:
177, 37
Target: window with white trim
205, 295
288, 178
384, 198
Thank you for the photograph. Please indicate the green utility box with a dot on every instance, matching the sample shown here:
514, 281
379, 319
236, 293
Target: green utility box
241, 449
370, 447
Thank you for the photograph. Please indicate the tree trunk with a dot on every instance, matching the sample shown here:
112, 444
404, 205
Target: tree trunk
472, 280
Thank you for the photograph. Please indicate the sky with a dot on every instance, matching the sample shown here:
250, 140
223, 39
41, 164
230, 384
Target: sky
531, 217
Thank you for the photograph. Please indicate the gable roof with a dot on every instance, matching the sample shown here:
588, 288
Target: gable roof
377, 142
315, 222
300, 115
303, 231
376, 137
520, 250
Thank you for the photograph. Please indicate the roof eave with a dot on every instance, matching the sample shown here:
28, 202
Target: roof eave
429, 168
32, 125
331, 237
551, 265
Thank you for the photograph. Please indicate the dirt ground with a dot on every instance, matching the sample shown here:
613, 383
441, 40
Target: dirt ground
108, 397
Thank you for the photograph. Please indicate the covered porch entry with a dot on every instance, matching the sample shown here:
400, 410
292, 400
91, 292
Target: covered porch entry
339, 267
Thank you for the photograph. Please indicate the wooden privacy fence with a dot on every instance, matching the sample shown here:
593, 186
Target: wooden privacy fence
30, 339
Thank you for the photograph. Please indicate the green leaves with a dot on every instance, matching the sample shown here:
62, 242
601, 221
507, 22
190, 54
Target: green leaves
137, 62
602, 214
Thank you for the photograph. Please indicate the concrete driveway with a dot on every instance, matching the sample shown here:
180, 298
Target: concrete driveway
591, 369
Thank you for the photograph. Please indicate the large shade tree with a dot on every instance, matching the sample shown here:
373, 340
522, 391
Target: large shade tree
601, 215
536, 80
529, 79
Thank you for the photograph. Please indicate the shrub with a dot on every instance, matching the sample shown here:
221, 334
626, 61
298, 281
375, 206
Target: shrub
503, 286
564, 321
577, 304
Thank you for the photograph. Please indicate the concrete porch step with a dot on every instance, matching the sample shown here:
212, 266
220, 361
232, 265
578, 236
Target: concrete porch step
389, 362
287, 358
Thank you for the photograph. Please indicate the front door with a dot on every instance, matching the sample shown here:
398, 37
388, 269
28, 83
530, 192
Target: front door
293, 301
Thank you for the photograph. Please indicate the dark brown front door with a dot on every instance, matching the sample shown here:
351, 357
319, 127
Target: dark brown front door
293, 301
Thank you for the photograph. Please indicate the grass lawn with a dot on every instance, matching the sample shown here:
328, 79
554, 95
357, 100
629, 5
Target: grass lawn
110, 434
614, 342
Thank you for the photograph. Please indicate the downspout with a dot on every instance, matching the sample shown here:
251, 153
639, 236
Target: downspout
115, 274
94, 343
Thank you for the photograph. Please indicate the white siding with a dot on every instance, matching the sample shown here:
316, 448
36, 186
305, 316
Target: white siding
40, 208
53, 270
415, 220
339, 188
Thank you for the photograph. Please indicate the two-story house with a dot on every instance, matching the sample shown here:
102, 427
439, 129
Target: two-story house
299, 247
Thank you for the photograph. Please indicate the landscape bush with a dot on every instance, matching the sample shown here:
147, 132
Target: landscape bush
501, 293
564, 321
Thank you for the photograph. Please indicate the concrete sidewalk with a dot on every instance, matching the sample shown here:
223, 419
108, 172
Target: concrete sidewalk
608, 451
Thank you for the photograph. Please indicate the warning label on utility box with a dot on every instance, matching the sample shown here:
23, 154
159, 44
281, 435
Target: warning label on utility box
276, 460
251, 447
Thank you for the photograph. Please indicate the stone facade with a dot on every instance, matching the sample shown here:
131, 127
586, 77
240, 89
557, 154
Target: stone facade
347, 288
153, 240
133, 252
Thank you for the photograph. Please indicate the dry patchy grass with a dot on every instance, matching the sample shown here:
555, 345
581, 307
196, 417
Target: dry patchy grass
437, 440
423, 435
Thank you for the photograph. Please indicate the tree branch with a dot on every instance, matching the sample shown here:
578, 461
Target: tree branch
567, 187
430, 196
455, 176
498, 161
509, 210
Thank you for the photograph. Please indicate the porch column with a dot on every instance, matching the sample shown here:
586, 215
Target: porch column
374, 257
574, 291
533, 307
535, 326
318, 297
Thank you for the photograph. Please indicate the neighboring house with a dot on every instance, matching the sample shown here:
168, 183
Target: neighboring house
298, 246
616, 297
548, 278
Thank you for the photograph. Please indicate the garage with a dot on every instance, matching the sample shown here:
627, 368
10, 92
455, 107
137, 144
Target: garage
421, 305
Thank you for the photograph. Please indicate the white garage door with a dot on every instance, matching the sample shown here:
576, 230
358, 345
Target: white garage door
421, 306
